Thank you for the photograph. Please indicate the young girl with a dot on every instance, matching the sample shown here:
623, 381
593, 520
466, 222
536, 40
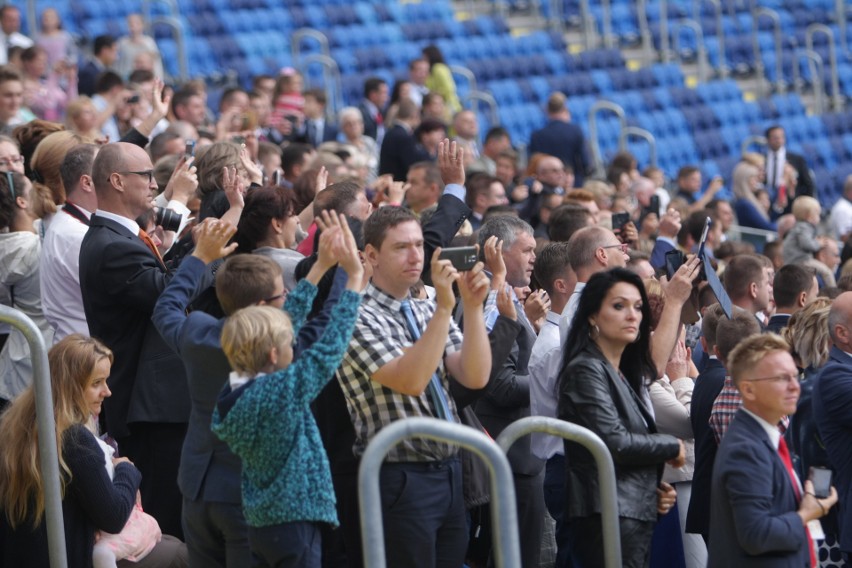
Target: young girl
288, 101
264, 412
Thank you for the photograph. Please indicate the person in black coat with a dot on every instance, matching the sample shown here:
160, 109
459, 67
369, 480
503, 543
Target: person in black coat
602, 387
399, 148
777, 157
563, 139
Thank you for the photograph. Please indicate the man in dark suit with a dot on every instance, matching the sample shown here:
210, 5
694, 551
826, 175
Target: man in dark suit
317, 128
794, 286
121, 277
372, 107
105, 53
399, 148
562, 139
832, 395
760, 512
777, 156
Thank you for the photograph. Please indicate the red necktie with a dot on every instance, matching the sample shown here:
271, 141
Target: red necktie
784, 452
150, 244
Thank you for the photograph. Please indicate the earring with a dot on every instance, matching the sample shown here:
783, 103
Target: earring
594, 332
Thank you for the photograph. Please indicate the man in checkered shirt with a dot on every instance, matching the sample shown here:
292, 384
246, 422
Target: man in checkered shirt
387, 375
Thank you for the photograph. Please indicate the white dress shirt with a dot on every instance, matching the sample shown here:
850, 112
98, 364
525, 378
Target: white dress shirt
569, 311
545, 360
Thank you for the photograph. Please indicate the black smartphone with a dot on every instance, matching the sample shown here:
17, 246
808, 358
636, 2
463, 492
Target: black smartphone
276, 177
821, 478
189, 149
132, 100
674, 260
654, 205
619, 220
462, 258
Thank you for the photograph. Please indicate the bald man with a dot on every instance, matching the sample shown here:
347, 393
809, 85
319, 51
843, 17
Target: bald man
832, 396
121, 277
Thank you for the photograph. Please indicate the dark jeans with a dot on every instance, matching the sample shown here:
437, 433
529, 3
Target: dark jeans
529, 497
216, 534
288, 545
554, 498
587, 548
423, 514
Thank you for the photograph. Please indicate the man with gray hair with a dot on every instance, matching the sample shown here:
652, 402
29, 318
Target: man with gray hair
507, 396
832, 395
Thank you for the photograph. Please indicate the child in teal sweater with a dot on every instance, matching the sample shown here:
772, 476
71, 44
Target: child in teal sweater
264, 412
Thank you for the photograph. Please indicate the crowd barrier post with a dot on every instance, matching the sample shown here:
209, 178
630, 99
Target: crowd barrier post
810, 32
760, 69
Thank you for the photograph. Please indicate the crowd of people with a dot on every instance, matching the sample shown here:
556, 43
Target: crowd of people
238, 299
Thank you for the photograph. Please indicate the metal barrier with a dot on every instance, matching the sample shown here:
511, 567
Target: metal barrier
836, 95
330, 78
665, 54
637, 132
842, 13
490, 101
752, 140
503, 511
176, 27
701, 49
603, 460
760, 69
647, 39
48, 456
597, 159
815, 65
468, 75
720, 31
302, 33
588, 25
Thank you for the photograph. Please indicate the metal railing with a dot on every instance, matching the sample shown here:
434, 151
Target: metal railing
45, 422
637, 132
836, 95
175, 25
750, 141
760, 69
467, 74
332, 82
665, 54
503, 510
701, 48
645, 35
309, 33
486, 98
720, 31
815, 66
597, 158
842, 13
587, 25
605, 466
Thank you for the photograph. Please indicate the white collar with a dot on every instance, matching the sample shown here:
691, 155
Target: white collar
129, 224
236, 380
771, 429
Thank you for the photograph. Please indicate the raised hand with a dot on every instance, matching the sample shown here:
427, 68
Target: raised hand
495, 262
331, 241
183, 182
505, 305
255, 174
212, 238
443, 276
451, 162
680, 286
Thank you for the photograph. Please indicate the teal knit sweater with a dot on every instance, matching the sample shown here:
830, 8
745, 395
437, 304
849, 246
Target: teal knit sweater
268, 423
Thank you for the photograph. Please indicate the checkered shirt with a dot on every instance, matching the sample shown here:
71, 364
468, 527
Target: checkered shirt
725, 408
381, 335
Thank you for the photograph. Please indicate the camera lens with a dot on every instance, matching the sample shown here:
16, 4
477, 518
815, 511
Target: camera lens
169, 220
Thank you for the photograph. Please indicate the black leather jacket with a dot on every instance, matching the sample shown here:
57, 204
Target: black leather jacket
593, 394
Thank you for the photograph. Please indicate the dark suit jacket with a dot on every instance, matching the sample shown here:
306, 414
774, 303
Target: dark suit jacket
87, 77
328, 134
566, 141
593, 395
805, 184
753, 520
371, 128
832, 400
708, 385
399, 152
658, 254
121, 280
777, 323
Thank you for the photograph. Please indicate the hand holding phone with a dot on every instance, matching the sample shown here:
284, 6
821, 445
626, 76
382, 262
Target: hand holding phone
619, 220
821, 478
462, 258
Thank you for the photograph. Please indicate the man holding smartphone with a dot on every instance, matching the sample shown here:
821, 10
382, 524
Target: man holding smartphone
762, 514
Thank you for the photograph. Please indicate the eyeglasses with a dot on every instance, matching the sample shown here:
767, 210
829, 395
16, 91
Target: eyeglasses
776, 379
623, 246
11, 161
144, 173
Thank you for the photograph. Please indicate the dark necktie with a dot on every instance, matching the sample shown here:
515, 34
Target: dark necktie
435, 388
150, 244
312, 133
784, 452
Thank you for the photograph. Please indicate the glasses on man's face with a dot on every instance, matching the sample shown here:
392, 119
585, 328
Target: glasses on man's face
623, 246
783, 378
11, 161
144, 173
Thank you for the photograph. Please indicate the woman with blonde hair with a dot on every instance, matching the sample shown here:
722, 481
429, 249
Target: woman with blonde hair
750, 212
45, 163
81, 117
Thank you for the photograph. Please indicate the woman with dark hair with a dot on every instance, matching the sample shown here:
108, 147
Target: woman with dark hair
429, 135
440, 79
268, 226
603, 387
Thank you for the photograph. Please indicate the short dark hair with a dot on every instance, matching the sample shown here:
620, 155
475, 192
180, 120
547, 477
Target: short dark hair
695, 222
741, 272
337, 197
373, 84
262, 205
244, 280
141, 76
429, 125
477, 184
686, 171
103, 42
77, 162
431, 172
566, 220
550, 264
228, 94
790, 281
318, 95
293, 155
731, 332
8, 73
182, 96
107, 81
769, 130
157, 148
381, 221
496, 133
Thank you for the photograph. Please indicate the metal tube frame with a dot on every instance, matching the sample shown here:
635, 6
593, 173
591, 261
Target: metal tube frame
557, 16
46, 424
331, 79
488, 99
302, 33
606, 14
665, 54
593, 127
637, 132
836, 95
588, 25
177, 32
720, 31
701, 54
503, 511
467, 74
603, 460
645, 32
760, 69
842, 13
754, 139
815, 65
